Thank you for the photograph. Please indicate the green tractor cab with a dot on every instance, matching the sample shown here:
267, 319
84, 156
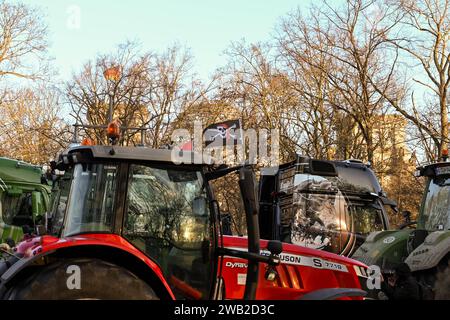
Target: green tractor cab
425, 249
24, 199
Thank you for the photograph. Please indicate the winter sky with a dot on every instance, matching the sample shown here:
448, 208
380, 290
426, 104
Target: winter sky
80, 29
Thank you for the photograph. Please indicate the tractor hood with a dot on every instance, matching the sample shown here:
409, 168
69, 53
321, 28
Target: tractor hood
302, 271
384, 248
240, 243
428, 255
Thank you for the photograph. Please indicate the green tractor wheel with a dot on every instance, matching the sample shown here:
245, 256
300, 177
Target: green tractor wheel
81, 279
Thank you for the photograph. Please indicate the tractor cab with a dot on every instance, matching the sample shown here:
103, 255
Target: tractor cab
24, 199
435, 212
149, 213
327, 205
429, 244
425, 248
163, 210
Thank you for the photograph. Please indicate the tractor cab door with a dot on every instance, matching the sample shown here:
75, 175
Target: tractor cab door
168, 217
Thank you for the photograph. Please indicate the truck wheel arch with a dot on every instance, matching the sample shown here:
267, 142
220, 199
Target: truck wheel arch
23, 267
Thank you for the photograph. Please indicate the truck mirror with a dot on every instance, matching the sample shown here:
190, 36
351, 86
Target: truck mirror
388, 202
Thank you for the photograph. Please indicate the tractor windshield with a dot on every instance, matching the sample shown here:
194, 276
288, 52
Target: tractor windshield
436, 208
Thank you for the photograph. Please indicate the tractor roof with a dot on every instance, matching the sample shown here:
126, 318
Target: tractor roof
434, 169
18, 171
140, 154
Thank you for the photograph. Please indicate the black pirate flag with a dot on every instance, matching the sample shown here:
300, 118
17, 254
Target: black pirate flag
224, 133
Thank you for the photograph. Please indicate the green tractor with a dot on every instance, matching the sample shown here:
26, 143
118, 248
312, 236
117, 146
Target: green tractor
425, 248
24, 200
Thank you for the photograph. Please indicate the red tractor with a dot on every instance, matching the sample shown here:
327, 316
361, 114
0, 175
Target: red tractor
129, 223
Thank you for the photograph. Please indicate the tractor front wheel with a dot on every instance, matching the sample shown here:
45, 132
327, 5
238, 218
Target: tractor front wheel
82, 279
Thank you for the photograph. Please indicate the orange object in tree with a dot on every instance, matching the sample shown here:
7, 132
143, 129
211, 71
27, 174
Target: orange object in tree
113, 130
112, 74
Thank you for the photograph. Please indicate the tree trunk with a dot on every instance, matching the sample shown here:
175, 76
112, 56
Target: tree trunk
444, 123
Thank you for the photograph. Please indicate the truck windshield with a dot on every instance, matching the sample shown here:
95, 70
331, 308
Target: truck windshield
324, 217
92, 199
436, 208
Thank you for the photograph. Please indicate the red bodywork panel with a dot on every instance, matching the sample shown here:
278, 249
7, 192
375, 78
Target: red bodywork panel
302, 270
298, 273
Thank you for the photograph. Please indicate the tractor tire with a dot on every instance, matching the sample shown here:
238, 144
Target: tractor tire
98, 280
442, 287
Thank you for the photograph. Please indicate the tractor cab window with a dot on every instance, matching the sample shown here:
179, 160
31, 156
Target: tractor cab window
61, 188
167, 218
436, 208
91, 203
17, 209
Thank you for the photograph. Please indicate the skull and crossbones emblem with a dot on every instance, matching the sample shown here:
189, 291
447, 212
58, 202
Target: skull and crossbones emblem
222, 132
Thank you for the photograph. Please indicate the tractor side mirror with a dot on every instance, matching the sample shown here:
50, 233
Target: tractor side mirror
199, 206
275, 247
